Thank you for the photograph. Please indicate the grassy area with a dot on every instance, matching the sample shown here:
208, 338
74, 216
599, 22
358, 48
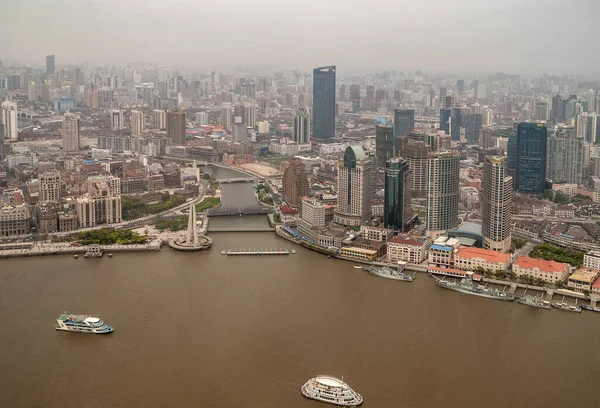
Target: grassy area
214, 186
558, 254
134, 208
173, 224
208, 202
502, 132
263, 195
275, 159
105, 236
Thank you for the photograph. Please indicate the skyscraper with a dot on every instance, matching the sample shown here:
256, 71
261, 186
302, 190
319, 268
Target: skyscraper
50, 69
417, 156
404, 121
70, 133
176, 127
9, 120
250, 114
354, 188
565, 156
159, 119
137, 123
496, 204
485, 138
301, 126
384, 143
397, 212
442, 192
226, 117
295, 183
557, 113
472, 125
355, 97
324, 102
530, 155
343, 93
451, 121
50, 186
117, 119
542, 111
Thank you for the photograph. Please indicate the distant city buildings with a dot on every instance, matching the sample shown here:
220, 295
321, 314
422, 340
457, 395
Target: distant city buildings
324, 102
176, 127
159, 119
404, 122
117, 119
50, 68
384, 144
9, 120
137, 123
70, 133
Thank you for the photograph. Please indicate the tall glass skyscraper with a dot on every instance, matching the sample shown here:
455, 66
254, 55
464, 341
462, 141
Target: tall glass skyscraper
531, 153
397, 212
324, 102
451, 121
384, 143
404, 121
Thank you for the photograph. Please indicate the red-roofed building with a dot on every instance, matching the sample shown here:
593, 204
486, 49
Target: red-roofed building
469, 259
407, 250
549, 271
596, 287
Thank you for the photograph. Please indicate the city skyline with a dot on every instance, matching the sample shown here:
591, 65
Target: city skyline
489, 42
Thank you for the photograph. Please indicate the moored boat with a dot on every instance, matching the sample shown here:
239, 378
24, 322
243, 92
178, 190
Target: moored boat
357, 267
534, 301
390, 273
94, 251
82, 324
591, 309
332, 390
566, 307
469, 287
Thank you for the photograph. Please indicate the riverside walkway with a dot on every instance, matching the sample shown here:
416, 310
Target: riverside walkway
237, 252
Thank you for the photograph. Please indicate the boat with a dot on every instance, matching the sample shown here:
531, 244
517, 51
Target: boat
566, 307
357, 267
75, 256
469, 287
94, 251
110, 255
332, 390
82, 324
591, 309
390, 273
534, 301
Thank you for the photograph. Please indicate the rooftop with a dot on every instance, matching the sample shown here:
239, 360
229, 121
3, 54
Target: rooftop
541, 264
485, 254
397, 240
584, 275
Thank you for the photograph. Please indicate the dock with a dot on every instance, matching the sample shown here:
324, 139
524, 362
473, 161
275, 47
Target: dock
233, 252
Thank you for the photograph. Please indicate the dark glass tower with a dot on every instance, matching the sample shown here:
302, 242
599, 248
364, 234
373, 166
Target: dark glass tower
384, 143
50, 64
324, 102
398, 214
472, 125
531, 152
404, 121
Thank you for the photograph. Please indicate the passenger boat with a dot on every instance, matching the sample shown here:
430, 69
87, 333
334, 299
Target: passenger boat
82, 324
357, 267
469, 287
566, 307
534, 301
591, 309
94, 251
332, 390
387, 272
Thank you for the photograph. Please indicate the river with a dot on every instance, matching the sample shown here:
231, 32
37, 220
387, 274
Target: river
205, 330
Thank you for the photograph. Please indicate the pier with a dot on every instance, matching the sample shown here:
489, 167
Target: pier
233, 252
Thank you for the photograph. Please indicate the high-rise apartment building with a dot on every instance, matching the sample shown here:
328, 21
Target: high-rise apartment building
50, 186
496, 204
250, 115
117, 119
70, 133
542, 111
159, 119
384, 144
485, 138
137, 123
323, 126
354, 188
397, 212
201, 118
587, 126
355, 97
176, 127
50, 68
557, 112
9, 120
442, 192
301, 125
295, 183
565, 156
404, 121
472, 125
312, 219
448, 102
417, 154
530, 157
226, 117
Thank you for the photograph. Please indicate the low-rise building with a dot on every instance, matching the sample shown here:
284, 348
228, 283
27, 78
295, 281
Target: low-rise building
47, 217
548, 271
67, 222
442, 251
359, 253
591, 260
378, 246
596, 287
582, 279
407, 250
332, 237
565, 211
380, 234
470, 259
15, 219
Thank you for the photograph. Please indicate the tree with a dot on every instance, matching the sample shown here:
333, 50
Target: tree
500, 273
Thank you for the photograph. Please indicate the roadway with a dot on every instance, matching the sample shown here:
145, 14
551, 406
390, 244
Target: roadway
554, 219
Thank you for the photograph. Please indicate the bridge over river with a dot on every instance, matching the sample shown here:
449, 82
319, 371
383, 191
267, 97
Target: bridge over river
228, 210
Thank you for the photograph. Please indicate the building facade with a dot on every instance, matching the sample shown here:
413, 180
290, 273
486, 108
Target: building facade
530, 157
70, 133
442, 192
50, 186
384, 144
324, 102
176, 127
137, 123
496, 204
295, 183
404, 122
548, 271
15, 219
301, 126
8, 115
354, 188
398, 213
565, 156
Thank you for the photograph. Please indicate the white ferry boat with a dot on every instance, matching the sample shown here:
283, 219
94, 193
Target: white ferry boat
332, 390
82, 324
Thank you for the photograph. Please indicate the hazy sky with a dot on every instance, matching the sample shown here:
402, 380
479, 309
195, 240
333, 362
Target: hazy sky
530, 36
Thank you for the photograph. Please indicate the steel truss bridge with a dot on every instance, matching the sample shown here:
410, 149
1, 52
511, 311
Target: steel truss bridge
225, 210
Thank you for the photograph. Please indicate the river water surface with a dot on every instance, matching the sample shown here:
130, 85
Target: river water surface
205, 330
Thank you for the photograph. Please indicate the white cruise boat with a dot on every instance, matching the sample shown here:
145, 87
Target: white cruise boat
82, 324
332, 390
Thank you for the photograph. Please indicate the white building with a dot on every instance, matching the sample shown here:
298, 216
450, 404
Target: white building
137, 123
201, 118
99, 154
407, 250
379, 234
159, 119
591, 260
263, 127
549, 271
250, 115
117, 119
470, 259
8, 115
312, 219
354, 188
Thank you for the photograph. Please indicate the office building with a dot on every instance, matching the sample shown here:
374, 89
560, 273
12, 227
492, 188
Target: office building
565, 156
487, 116
485, 138
417, 154
176, 127
117, 119
50, 186
404, 122
354, 95
472, 125
301, 126
100, 205
50, 68
496, 204
137, 123
384, 144
451, 121
70, 133
354, 188
250, 115
13, 82
226, 117
448, 102
398, 213
558, 113
295, 183
343, 93
323, 112
530, 157
15, 219
239, 133
159, 119
442, 192
9, 120
201, 118
312, 219
542, 111
587, 126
